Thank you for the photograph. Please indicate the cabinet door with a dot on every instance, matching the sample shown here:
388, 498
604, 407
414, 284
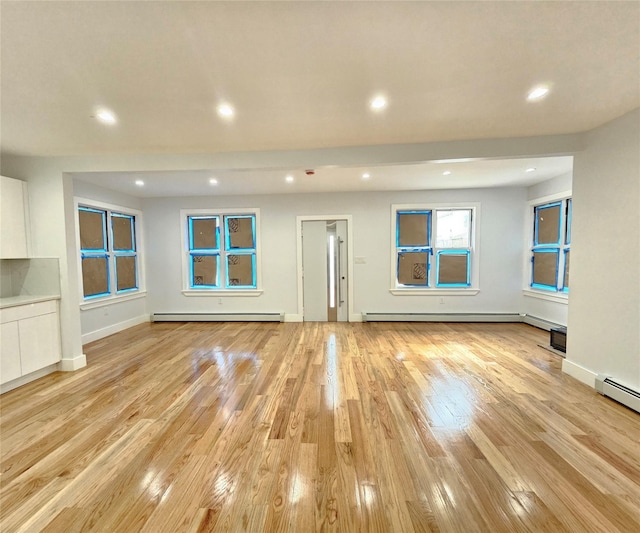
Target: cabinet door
39, 342
13, 241
9, 352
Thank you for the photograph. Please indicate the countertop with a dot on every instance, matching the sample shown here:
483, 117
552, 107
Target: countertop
14, 301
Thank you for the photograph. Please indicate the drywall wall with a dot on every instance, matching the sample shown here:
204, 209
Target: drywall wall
501, 250
539, 307
604, 311
113, 315
51, 214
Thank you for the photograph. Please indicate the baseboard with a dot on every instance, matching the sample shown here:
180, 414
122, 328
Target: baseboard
540, 322
441, 317
218, 317
580, 373
292, 317
355, 317
23, 380
115, 328
70, 365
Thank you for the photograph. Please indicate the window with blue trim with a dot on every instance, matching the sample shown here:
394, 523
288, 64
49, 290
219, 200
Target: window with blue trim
108, 252
433, 248
222, 251
550, 253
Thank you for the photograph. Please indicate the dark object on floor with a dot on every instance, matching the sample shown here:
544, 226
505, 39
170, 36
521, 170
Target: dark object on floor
559, 339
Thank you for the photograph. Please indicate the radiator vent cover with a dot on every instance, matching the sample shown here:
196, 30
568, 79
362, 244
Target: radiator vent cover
618, 392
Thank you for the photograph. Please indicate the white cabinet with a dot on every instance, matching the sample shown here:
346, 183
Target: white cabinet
13, 220
10, 348
30, 339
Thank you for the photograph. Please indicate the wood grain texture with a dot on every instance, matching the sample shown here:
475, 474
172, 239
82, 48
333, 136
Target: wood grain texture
376, 427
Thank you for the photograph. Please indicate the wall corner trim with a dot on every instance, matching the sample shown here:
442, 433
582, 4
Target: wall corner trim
70, 365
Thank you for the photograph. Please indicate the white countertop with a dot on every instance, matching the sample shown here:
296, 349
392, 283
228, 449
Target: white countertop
14, 301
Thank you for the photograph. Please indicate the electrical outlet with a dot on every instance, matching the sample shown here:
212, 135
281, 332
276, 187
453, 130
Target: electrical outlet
219, 301
441, 300
106, 311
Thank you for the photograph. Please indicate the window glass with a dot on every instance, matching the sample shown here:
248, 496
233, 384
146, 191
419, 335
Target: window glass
204, 270
240, 232
547, 224
413, 229
413, 268
203, 233
92, 229
452, 269
95, 276
545, 268
453, 228
123, 232
126, 272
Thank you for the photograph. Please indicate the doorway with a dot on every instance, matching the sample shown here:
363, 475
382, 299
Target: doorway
324, 269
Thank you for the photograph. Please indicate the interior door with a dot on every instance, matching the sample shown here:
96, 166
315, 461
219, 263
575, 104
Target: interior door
324, 267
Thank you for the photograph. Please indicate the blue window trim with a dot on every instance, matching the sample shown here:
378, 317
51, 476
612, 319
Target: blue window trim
537, 210
227, 236
105, 256
192, 285
204, 217
254, 284
135, 258
132, 219
417, 249
453, 252
103, 213
427, 212
565, 289
569, 213
542, 286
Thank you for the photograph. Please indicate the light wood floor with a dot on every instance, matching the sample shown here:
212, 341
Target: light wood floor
318, 427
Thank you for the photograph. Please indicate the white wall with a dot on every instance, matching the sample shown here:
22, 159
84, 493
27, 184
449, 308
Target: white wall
113, 316
500, 257
604, 313
539, 307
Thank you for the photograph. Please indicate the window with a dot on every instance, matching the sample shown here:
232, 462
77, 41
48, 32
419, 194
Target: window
222, 250
433, 247
109, 250
551, 249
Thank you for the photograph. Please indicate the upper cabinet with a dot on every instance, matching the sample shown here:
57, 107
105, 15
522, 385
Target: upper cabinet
13, 218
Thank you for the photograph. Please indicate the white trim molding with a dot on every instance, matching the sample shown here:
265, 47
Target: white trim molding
114, 328
580, 373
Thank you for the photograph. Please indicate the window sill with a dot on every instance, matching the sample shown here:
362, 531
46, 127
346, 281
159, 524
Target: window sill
109, 300
223, 292
434, 292
560, 298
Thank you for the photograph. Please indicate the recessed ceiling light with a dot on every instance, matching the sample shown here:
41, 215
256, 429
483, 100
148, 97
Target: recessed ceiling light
531, 169
366, 176
225, 110
289, 179
379, 102
446, 173
538, 93
139, 183
106, 116
213, 181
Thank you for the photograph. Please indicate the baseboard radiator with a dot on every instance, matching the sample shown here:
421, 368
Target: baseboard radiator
217, 317
441, 317
618, 392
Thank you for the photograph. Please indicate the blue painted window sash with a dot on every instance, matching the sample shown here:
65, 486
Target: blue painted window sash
533, 266
103, 213
453, 252
538, 210
227, 237
254, 283
85, 255
401, 250
132, 218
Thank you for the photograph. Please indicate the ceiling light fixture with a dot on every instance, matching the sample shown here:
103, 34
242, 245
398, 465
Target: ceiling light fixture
531, 169
538, 93
213, 181
379, 102
105, 116
139, 183
366, 176
289, 179
225, 110
446, 173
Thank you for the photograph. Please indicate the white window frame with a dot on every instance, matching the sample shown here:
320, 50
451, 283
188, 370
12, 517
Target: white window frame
113, 297
474, 249
558, 296
218, 291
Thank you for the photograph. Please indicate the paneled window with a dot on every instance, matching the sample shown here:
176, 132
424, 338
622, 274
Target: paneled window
433, 247
222, 251
109, 255
551, 249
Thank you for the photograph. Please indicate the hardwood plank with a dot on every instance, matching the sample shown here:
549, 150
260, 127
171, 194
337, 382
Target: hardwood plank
256, 427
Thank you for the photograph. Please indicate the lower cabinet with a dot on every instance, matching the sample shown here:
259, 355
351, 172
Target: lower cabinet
30, 339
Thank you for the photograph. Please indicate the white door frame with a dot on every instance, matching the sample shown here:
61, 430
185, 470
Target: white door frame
299, 220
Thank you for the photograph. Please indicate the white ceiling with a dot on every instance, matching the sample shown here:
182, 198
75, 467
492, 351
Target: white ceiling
463, 174
301, 74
